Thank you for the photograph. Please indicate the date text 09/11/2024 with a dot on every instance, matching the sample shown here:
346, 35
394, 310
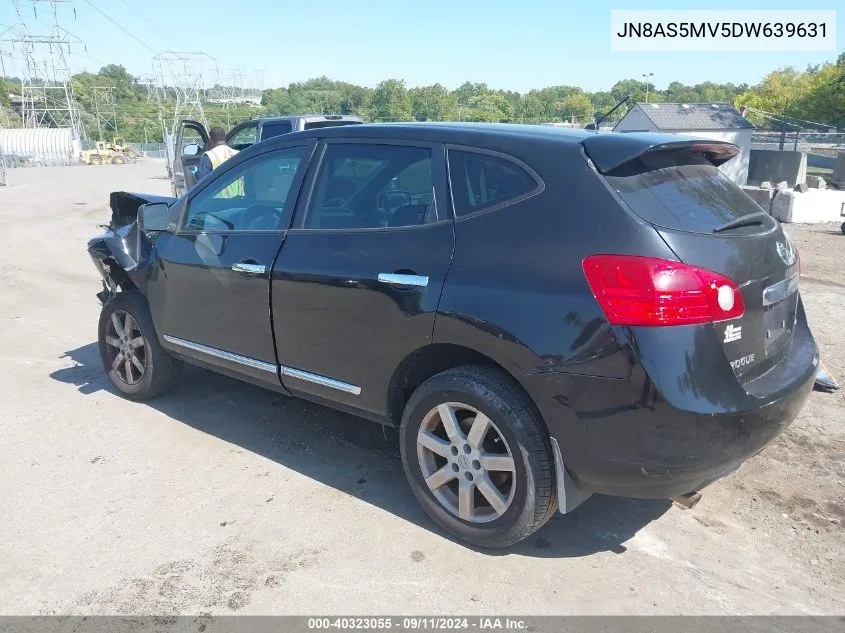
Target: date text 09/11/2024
418, 623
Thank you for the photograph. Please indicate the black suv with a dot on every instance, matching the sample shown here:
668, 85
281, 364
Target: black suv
544, 314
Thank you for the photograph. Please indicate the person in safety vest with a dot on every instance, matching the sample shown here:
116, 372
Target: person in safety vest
218, 154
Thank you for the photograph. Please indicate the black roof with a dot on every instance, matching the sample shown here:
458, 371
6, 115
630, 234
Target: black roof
693, 116
449, 131
606, 149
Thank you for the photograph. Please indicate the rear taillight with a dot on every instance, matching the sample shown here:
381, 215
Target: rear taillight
635, 290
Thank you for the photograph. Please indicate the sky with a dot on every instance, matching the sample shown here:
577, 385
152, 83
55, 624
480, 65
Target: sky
505, 44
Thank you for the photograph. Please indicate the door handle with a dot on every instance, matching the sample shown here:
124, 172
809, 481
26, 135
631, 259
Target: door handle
396, 279
252, 269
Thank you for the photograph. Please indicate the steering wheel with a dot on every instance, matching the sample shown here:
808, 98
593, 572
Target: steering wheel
260, 217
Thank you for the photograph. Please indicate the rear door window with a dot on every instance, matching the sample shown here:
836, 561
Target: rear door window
682, 191
482, 181
371, 186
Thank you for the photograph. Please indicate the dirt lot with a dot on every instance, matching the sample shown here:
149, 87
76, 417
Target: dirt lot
223, 498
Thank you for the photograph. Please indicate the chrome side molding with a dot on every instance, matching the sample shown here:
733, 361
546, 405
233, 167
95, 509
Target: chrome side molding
246, 361
323, 381
219, 353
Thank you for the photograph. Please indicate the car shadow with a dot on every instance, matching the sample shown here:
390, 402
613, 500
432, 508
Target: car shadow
351, 455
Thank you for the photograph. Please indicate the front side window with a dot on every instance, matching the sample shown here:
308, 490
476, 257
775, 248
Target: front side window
251, 197
363, 186
482, 181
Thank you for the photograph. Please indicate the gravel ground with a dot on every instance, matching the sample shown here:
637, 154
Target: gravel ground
223, 498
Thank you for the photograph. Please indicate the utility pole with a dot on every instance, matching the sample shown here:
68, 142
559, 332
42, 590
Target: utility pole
647, 77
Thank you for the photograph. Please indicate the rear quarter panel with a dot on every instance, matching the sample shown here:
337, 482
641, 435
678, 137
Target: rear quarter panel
516, 291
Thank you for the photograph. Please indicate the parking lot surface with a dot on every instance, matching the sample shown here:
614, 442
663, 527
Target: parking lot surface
222, 498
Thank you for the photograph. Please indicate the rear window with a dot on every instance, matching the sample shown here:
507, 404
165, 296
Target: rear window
269, 130
680, 190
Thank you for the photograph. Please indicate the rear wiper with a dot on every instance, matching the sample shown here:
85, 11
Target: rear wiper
747, 220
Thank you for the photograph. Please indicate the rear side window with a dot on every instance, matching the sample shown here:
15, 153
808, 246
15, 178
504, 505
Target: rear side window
482, 181
269, 130
680, 190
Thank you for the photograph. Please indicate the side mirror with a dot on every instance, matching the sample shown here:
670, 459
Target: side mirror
191, 150
154, 217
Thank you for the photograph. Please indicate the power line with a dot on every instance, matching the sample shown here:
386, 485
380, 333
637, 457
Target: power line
157, 28
145, 45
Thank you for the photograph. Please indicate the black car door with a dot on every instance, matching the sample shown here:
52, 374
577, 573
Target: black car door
209, 289
356, 285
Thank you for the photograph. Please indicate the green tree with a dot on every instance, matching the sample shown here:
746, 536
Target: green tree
577, 107
391, 101
431, 103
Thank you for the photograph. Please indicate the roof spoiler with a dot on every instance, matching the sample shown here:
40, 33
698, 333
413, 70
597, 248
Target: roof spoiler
610, 151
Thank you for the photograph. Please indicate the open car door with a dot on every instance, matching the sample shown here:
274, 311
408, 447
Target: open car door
190, 143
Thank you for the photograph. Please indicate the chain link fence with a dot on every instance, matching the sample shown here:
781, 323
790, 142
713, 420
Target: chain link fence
821, 148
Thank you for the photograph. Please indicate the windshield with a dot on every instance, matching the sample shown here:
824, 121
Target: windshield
681, 190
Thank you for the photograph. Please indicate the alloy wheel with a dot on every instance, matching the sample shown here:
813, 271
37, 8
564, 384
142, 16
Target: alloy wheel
466, 462
127, 346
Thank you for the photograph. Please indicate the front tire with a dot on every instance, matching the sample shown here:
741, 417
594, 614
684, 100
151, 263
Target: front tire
477, 457
136, 364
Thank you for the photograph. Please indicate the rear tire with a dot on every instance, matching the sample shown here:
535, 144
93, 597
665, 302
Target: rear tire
478, 457
842, 228
135, 362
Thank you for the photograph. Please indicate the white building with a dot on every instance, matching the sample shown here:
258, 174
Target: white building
718, 121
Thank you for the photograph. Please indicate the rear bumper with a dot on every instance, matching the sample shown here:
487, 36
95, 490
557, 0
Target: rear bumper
625, 438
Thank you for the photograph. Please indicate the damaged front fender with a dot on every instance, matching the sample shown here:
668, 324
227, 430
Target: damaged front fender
122, 254
122, 257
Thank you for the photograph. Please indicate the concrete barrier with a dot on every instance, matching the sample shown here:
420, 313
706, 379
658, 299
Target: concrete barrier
777, 166
782, 205
762, 197
838, 177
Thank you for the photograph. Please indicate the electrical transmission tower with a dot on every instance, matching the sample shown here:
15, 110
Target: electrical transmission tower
183, 75
104, 110
47, 93
256, 88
